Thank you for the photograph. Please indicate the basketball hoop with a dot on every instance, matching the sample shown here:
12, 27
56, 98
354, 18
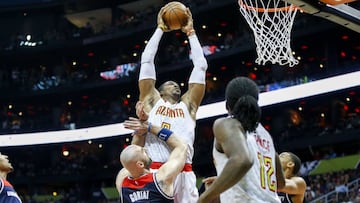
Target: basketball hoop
271, 22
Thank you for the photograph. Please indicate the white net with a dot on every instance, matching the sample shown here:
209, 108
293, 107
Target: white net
271, 22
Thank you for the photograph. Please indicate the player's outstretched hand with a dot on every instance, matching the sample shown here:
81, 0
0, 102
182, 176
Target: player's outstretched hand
204, 198
140, 113
139, 127
188, 29
160, 20
208, 181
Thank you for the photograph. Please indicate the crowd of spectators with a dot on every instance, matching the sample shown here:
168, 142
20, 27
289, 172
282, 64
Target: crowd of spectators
311, 126
122, 22
337, 182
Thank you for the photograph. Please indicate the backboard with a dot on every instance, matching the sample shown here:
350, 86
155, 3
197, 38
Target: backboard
342, 12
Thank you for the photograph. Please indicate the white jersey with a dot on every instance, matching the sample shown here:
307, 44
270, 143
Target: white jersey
256, 186
175, 117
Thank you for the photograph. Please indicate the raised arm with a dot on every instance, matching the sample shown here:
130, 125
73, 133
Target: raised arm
174, 165
196, 91
177, 158
167, 173
147, 75
231, 140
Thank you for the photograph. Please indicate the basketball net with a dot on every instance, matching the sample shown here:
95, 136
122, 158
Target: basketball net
271, 24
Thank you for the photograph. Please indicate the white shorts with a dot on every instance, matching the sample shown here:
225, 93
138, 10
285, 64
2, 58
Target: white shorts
185, 190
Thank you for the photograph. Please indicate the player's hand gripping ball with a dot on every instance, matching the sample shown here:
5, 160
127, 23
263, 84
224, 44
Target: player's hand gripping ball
174, 15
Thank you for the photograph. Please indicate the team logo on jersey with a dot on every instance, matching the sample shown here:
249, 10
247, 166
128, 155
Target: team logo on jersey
172, 113
264, 144
139, 195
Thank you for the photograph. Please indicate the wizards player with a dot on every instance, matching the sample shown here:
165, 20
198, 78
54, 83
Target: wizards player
7, 191
135, 182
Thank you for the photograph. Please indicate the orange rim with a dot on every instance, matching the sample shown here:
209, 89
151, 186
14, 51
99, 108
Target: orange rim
269, 10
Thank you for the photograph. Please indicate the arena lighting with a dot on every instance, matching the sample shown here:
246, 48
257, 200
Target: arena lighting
206, 111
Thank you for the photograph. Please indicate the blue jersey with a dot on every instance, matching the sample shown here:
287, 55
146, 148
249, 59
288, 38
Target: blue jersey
7, 193
284, 197
143, 189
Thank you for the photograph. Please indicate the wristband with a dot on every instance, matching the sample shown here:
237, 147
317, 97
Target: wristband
149, 126
164, 134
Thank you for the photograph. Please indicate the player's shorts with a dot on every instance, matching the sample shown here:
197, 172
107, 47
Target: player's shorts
185, 190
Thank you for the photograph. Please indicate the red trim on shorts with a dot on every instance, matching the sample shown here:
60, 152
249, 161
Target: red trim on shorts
157, 165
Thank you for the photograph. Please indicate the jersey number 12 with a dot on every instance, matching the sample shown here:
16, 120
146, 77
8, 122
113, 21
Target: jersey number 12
266, 172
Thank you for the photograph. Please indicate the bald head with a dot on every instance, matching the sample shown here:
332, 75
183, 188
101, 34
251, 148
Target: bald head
133, 157
130, 154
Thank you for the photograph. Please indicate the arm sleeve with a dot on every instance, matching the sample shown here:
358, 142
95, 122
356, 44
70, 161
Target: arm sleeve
198, 74
147, 69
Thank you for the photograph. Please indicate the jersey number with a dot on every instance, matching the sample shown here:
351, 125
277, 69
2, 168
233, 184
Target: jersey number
165, 125
266, 172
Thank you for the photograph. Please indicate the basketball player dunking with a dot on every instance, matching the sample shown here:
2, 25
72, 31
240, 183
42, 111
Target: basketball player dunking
168, 109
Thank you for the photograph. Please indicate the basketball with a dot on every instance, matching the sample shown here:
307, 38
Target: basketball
175, 15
